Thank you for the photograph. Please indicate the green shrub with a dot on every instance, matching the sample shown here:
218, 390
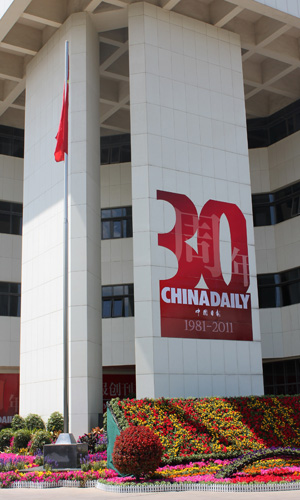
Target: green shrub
99, 465
34, 422
39, 460
5, 437
39, 439
86, 466
100, 447
55, 422
96, 440
21, 439
17, 423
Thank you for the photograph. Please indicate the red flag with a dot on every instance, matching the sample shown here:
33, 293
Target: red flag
62, 134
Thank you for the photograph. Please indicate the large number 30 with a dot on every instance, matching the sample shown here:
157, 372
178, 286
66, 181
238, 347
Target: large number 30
206, 261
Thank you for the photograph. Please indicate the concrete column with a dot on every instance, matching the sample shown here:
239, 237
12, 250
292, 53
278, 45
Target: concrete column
41, 388
188, 136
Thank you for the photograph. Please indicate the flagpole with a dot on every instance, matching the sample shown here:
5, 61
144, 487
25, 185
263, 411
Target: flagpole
65, 273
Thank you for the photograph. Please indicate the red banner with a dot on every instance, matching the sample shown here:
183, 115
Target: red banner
221, 310
9, 397
117, 386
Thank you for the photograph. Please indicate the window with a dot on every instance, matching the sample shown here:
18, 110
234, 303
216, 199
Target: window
279, 289
117, 301
282, 377
262, 132
11, 141
116, 223
115, 149
10, 299
281, 205
10, 217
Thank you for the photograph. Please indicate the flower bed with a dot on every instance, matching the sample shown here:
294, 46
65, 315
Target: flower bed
207, 471
13, 461
190, 429
213, 441
285, 470
78, 477
8, 478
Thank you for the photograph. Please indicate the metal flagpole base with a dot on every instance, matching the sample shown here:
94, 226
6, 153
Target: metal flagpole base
65, 438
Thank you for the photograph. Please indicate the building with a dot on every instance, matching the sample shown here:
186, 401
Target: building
163, 229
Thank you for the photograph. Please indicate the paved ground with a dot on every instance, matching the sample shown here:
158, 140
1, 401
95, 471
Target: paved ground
94, 493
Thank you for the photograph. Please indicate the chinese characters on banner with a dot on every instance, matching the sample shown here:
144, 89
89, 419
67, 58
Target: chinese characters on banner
118, 386
9, 397
220, 310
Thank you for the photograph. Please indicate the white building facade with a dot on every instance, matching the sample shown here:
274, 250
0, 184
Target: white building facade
180, 283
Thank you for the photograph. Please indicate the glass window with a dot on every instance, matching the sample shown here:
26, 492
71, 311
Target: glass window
125, 154
296, 123
282, 377
128, 307
117, 212
279, 289
296, 206
10, 299
262, 216
262, 132
272, 208
117, 301
284, 210
106, 308
4, 223
104, 156
117, 229
279, 374
115, 149
268, 374
106, 213
116, 223
107, 291
106, 230
290, 372
115, 155
278, 131
117, 308
11, 141
119, 290
10, 217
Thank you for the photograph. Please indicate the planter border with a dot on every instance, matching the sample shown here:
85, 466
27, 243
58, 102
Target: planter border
63, 483
214, 487
151, 488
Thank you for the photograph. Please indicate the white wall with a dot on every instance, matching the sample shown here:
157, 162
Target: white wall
291, 7
278, 247
11, 189
188, 135
5, 4
117, 266
41, 384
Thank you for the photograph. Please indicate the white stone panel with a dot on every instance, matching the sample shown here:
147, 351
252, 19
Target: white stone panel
188, 137
11, 190
41, 337
291, 7
277, 247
